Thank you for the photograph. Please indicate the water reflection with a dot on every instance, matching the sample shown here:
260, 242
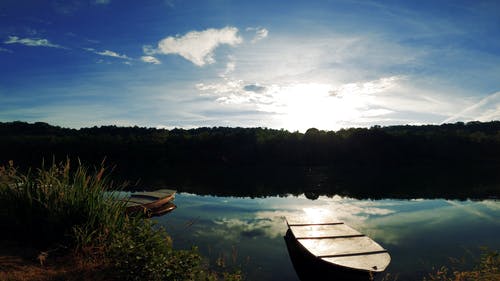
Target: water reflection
417, 233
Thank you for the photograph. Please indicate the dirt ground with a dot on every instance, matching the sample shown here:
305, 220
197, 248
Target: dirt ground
21, 263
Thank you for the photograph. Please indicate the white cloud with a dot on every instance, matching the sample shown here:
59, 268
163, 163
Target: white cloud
5, 50
260, 33
170, 3
32, 42
150, 59
370, 87
112, 54
232, 91
230, 67
108, 53
299, 106
487, 109
197, 46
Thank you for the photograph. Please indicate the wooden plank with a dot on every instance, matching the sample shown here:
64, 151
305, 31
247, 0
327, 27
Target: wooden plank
311, 224
340, 246
354, 254
140, 201
325, 230
155, 194
306, 221
332, 237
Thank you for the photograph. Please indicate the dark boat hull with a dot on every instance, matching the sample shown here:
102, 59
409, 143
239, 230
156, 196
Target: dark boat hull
310, 268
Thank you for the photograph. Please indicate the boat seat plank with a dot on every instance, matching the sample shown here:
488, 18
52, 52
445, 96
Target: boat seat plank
139, 200
355, 254
332, 237
147, 197
311, 231
304, 221
341, 246
155, 194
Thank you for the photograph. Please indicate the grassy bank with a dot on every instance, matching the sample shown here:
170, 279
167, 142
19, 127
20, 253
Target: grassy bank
60, 223
486, 269
64, 217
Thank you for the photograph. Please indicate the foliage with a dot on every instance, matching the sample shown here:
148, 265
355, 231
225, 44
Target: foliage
76, 210
141, 252
488, 269
456, 161
55, 203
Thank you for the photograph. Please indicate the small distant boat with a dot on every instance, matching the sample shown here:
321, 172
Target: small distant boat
151, 203
332, 248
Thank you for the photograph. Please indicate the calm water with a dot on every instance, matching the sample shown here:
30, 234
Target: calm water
248, 233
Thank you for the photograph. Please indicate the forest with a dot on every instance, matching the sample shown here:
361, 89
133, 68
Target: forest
460, 160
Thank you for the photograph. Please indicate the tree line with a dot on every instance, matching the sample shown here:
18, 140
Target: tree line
365, 162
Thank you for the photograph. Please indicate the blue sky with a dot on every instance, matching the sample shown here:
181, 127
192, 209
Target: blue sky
276, 64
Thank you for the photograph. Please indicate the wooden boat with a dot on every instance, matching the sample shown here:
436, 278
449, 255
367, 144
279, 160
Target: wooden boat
332, 248
151, 203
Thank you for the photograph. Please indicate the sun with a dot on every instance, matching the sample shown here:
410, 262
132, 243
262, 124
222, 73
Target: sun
307, 105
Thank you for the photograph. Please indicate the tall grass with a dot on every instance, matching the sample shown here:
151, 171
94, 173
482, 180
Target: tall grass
54, 204
59, 205
486, 269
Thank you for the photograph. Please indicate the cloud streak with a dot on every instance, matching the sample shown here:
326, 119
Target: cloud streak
108, 53
102, 2
197, 46
150, 59
260, 33
32, 42
486, 109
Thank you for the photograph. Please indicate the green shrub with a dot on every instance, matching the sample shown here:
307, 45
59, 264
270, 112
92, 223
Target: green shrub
51, 204
488, 269
75, 208
142, 252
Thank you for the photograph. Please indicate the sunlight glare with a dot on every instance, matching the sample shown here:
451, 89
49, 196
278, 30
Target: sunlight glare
318, 215
308, 105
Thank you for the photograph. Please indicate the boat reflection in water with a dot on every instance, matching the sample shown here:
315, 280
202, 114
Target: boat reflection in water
333, 251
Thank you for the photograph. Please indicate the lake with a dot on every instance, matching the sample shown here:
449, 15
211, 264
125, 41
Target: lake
247, 233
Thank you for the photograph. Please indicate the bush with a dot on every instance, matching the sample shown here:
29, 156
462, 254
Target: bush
142, 252
78, 210
488, 269
53, 204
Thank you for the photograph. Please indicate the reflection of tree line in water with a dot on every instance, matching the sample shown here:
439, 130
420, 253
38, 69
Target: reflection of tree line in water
452, 160
406, 183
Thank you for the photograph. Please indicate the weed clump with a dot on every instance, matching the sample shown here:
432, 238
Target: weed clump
73, 209
487, 269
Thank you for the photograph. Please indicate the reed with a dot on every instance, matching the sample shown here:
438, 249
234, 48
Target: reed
487, 269
52, 205
74, 209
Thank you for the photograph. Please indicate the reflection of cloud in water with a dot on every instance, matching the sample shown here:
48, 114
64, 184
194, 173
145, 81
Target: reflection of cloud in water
493, 205
391, 222
434, 218
417, 232
344, 209
475, 211
270, 223
261, 224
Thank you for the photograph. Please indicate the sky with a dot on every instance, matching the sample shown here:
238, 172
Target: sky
291, 65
